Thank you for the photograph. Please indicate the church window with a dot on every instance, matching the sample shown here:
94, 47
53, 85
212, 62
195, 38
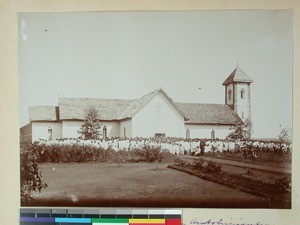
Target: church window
242, 115
213, 134
104, 132
229, 95
124, 131
50, 134
188, 133
242, 94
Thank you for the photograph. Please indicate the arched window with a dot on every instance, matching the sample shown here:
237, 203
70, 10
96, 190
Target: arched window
242, 115
104, 132
50, 134
242, 94
187, 133
124, 131
212, 134
229, 95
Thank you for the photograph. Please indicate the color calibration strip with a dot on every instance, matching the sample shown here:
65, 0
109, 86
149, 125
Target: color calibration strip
30, 216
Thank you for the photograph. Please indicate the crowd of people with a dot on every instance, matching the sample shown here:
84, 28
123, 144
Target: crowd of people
182, 146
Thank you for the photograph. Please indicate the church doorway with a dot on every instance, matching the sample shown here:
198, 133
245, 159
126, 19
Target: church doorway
159, 135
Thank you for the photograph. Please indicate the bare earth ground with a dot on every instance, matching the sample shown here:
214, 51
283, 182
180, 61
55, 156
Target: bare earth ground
134, 184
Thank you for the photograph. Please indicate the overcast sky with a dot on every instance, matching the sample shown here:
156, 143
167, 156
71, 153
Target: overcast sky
129, 54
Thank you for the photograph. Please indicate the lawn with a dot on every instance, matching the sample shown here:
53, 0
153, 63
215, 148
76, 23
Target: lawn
134, 185
270, 183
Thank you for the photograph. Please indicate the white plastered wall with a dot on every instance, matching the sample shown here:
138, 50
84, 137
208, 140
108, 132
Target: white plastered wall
71, 128
204, 131
126, 126
158, 116
40, 130
243, 104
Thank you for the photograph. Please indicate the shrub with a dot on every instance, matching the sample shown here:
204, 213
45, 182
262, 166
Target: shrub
119, 156
284, 184
167, 156
149, 154
31, 176
212, 167
69, 153
198, 164
74, 152
180, 162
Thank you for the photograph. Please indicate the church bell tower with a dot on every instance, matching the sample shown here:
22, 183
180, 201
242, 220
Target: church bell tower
237, 93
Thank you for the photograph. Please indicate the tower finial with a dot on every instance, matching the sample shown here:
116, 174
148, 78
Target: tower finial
237, 64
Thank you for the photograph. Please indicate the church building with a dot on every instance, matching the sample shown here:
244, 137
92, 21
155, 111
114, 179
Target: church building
153, 115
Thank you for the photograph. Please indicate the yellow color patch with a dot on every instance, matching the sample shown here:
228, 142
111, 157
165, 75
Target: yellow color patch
146, 220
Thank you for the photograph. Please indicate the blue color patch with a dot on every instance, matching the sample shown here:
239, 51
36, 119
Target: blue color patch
73, 220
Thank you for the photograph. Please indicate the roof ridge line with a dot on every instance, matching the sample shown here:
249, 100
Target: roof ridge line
200, 103
106, 99
43, 106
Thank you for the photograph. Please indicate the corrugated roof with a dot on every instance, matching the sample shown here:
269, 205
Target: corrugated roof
209, 114
43, 113
238, 75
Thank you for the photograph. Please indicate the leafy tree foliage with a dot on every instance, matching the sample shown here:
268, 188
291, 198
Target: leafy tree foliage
90, 130
31, 176
241, 131
285, 135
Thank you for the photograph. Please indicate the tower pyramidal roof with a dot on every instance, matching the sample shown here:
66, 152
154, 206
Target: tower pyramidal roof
237, 76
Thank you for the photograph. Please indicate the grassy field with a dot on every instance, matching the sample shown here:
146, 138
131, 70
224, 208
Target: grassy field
134, 184
256, 182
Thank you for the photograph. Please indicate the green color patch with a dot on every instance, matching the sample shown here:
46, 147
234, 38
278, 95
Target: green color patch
96, 220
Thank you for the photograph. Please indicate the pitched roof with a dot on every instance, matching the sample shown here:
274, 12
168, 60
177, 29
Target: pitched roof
138, 104
109, 109
236, 76
43, 113
209, 114
118, 109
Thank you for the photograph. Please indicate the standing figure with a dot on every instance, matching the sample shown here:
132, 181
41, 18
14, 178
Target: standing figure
202, 147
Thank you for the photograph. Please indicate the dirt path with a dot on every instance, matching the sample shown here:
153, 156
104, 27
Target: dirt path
279, 168
135, 184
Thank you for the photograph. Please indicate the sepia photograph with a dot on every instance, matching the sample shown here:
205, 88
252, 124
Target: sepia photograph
186, 109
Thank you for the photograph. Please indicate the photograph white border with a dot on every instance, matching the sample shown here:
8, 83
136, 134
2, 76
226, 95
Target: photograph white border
9, 131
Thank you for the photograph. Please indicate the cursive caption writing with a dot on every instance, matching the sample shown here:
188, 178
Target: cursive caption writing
197, 221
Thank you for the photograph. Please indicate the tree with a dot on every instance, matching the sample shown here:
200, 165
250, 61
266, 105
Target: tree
241, 130
91, 127
285, 135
